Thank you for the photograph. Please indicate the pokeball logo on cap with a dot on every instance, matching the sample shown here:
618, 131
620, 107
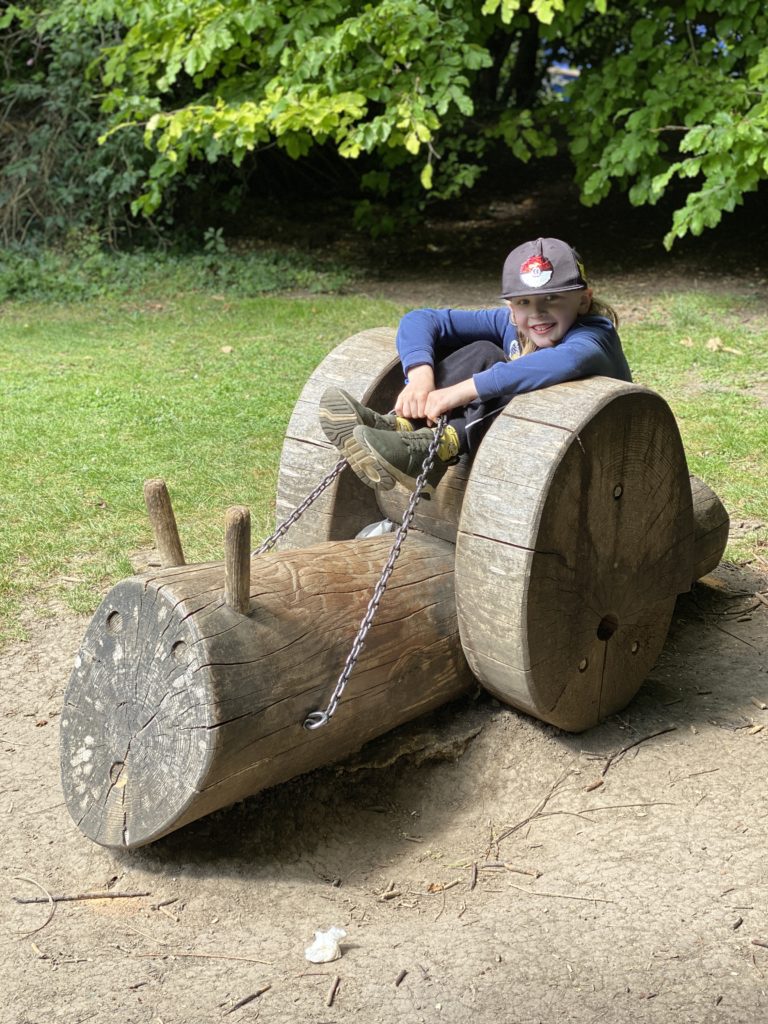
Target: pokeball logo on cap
536, 271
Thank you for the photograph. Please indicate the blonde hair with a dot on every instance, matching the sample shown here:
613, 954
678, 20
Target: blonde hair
596, 308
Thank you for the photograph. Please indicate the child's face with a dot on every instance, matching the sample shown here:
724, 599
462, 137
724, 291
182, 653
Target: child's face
545, 319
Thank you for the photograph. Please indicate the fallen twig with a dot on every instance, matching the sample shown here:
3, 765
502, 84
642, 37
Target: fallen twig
49, 899
83, 896
163, 903
400, 978
538, 811
248, 999
473, 877
735, 637
636, 743
616, 807
205, 956
332, 991
760, 942
560, 895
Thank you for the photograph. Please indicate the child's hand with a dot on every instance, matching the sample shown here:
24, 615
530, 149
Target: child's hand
412, 400
446, 399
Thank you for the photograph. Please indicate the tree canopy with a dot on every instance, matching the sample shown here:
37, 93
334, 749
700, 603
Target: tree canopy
417, 96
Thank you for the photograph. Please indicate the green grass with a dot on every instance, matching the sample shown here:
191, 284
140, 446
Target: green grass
679, 347
95, 398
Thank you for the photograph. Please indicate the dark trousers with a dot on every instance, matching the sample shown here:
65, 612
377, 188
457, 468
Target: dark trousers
472, 421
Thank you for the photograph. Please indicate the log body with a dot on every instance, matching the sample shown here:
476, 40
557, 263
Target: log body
179, 705
575, 538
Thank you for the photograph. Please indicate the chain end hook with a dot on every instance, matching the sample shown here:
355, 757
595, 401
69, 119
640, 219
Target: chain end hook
316, 719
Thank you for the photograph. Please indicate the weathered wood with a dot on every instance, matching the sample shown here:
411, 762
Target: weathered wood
366, 366
576, 536
710, 528
237, 558
178, 705
163, 523
439, 516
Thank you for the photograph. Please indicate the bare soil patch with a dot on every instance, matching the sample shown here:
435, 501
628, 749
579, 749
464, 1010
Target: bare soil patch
492, 858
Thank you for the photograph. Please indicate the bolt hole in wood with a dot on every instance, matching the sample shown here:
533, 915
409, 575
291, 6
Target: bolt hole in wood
583, 664
608, 626
635, 646
179, 650
618, 490
114, 622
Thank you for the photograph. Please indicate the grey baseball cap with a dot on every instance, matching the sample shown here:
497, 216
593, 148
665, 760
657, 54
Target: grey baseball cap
543, 267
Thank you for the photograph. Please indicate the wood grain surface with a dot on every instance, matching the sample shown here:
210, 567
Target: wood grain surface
179, 705
576, 536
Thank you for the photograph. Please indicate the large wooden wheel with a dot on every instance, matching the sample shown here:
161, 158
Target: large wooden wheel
575, 538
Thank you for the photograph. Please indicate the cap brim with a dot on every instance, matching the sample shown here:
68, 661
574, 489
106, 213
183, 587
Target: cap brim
545, 291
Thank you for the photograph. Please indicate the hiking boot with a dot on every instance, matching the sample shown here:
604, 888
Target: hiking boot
382, 458
340, 414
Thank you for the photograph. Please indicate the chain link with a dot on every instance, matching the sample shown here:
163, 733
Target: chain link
319, 718
288, 522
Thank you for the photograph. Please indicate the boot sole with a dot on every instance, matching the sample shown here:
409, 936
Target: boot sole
337, 418
374, 470
367, 467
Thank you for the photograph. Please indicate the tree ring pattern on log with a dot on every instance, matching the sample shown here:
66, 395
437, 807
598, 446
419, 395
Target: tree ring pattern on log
134, 721
576, 535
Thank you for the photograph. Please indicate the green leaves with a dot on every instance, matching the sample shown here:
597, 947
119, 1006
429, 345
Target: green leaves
421, 91
683, 101
362, 77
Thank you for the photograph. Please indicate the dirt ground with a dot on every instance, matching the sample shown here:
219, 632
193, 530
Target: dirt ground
485, 866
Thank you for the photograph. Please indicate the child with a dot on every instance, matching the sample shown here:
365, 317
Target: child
468, 364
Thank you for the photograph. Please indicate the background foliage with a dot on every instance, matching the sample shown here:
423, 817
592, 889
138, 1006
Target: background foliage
395, 102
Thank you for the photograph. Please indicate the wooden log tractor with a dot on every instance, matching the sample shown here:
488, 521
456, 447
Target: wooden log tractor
547, 570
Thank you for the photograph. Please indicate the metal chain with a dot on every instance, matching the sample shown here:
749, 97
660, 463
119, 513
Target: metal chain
287, 523
319, 718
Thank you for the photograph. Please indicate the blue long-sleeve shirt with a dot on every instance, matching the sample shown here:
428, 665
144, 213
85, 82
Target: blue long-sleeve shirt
590, 348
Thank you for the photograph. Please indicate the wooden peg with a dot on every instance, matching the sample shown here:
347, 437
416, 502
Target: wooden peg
237, 558
163, 523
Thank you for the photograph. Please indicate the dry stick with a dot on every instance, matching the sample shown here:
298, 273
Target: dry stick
537, 811
759, 942
735, 637
636, 743
163, 523
248, 999
616, 807
81, 896
332, 991
560, 895
473, 877
23, 878
400, 978
205, 956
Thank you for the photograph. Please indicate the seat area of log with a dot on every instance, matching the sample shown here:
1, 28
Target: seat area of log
575, 538
179, 704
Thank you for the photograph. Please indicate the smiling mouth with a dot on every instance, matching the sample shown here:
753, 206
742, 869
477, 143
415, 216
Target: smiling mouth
541, 328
